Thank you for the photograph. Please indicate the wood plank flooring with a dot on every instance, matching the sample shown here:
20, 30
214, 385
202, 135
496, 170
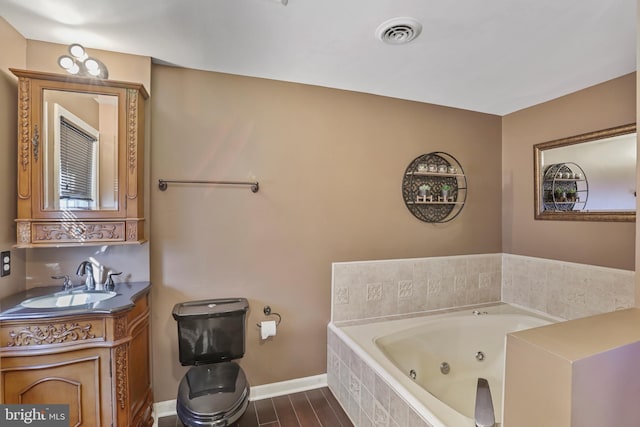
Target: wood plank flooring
312, 408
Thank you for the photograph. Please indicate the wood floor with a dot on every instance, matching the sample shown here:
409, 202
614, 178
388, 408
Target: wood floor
313, 408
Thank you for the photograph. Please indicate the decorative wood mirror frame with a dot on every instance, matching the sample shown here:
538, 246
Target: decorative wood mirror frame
575, 215
40, 224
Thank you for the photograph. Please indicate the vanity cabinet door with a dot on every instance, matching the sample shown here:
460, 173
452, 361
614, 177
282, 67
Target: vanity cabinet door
132, 377
80, 160
72, 378
141, 399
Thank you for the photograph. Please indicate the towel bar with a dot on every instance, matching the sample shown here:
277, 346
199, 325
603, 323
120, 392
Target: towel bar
164, 183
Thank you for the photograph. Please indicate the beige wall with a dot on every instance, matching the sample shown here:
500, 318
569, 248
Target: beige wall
330, 166
12, 54
600, 243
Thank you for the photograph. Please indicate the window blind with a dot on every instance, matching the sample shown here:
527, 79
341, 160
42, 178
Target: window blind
77, 153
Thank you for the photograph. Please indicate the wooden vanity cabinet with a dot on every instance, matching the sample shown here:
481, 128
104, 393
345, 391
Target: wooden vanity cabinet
80, 160
97, 364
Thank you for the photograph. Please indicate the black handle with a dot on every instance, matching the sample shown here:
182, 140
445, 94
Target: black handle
110, 285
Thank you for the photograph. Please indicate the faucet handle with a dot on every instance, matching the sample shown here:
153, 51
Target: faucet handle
109, 285
67, 282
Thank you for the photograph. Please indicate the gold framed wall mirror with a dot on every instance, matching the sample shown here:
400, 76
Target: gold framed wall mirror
588, 177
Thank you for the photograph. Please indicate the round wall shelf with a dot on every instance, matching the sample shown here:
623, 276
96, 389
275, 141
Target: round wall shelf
564, 188
434, 187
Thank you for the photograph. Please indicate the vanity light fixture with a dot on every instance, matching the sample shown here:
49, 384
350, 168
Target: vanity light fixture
81, 64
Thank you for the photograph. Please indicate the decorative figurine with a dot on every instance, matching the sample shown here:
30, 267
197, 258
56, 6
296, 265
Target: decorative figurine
423, 190
444, 190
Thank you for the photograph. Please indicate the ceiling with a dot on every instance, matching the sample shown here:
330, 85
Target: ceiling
492, 56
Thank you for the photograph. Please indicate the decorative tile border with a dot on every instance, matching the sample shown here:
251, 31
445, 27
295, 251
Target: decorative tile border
369, 289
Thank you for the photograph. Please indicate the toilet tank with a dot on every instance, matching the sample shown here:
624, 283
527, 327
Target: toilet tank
211, 331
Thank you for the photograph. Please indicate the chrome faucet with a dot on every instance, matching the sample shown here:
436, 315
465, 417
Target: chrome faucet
86, 267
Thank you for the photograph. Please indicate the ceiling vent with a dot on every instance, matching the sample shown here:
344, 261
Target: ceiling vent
399, 30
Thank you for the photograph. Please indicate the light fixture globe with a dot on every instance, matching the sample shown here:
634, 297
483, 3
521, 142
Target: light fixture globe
75, 69
91, 64
66, 62
78, 51
94, 67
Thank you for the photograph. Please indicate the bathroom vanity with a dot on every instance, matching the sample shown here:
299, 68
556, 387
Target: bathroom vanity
94, 357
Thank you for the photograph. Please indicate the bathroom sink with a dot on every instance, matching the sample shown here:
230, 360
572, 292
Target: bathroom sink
68, 299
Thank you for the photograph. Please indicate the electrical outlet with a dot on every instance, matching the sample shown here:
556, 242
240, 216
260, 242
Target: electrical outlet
5, 256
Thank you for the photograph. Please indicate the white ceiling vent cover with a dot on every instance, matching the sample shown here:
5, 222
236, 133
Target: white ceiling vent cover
399, 30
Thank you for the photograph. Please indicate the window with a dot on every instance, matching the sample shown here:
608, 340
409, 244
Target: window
77, 148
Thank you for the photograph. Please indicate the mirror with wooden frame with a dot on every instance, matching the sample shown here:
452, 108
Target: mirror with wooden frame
80, 160
588, 177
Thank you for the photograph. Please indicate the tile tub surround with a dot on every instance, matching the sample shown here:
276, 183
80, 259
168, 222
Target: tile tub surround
563, 289
367, 398
370, 289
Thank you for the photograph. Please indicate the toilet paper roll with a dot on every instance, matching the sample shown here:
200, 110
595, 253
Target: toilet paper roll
267, 329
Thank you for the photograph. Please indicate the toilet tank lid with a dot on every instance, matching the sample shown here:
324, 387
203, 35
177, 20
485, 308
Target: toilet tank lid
210, 307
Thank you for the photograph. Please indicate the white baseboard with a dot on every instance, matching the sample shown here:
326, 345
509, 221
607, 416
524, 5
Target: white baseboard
163, 409
265, 391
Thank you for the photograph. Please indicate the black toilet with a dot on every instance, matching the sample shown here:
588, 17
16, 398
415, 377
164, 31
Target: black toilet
211, 333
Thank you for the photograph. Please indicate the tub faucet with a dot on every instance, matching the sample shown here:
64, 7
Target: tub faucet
484, 413
86, 267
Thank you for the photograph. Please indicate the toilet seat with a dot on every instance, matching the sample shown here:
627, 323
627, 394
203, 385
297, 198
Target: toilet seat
213, 395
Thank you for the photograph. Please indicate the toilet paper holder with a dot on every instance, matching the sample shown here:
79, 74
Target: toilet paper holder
267, 312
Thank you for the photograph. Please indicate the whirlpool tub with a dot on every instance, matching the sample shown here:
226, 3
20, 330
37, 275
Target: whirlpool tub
433, 362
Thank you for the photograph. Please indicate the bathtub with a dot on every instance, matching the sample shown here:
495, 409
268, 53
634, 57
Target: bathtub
433, 362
